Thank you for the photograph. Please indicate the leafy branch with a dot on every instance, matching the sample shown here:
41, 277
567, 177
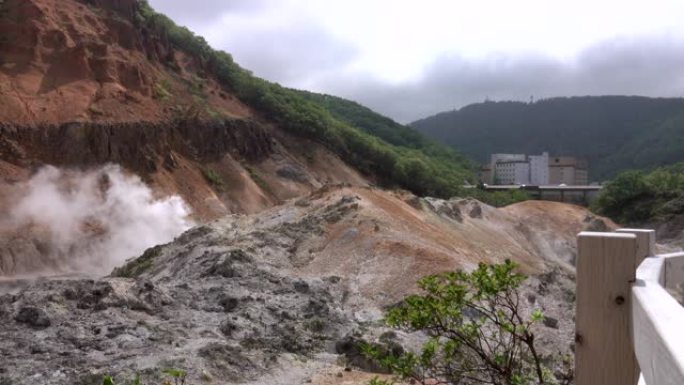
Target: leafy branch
477, 331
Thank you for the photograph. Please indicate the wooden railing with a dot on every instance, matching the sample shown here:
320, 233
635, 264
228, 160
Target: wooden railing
627, 323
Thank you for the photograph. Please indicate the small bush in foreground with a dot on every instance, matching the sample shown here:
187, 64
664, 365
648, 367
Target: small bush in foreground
478, 332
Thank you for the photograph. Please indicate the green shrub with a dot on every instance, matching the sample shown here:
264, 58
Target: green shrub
497, 198
477, 331
635, 197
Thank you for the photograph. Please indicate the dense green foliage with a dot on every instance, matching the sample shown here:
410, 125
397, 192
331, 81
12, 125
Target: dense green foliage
371, 122
401, 159
636, 197
498, 198
614, 133
478, 333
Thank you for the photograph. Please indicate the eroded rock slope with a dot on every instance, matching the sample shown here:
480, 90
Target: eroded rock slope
274, 297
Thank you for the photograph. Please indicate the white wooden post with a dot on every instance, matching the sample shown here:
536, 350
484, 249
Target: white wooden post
606, 269
673, 278
645, 242
658, 324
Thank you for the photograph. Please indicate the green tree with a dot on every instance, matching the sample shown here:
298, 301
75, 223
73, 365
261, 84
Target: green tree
613, 133
635, 197
477, 331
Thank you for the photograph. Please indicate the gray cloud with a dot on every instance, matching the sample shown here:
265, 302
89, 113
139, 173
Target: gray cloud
193, 13
293, 55
649, 67
301, 53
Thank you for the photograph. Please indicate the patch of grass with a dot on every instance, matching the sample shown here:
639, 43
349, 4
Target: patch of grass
95, 110
258, 179
139, 265
197, 86
214, 178
178, 375
215, 114
316, 325
161, 90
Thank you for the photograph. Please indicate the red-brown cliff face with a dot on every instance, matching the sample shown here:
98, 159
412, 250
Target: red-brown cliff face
68, 60
81, 86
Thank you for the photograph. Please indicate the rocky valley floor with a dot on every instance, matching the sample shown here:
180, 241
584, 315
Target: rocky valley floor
281, 297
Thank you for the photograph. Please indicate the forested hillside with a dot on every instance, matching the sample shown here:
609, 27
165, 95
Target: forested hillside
403, 159
614, 133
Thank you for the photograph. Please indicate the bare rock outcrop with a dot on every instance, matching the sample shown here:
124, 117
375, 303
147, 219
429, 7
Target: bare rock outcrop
269, 298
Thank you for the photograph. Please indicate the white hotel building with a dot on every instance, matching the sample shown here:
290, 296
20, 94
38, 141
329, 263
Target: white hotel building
520, 169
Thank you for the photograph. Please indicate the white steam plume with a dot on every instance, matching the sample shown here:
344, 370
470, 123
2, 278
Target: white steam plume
65, 221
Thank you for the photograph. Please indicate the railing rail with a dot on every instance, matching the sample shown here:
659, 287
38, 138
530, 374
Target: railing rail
626, 320
658, 323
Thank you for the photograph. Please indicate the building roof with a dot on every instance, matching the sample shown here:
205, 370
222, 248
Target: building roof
567, 161
511, 161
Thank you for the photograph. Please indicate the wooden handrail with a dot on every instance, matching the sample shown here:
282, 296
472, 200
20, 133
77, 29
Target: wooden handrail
606, 268
626, 320
658, 324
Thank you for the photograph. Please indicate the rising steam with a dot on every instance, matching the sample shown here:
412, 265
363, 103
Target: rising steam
86, 222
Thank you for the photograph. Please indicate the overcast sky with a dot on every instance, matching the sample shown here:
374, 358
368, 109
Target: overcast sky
411, 59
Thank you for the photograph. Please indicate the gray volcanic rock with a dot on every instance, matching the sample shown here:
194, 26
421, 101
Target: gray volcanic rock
125, 329
228, 326
270, 298
32, 316
218, 302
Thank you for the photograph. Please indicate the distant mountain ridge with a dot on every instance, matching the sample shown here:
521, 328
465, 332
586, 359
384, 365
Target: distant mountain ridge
613, 133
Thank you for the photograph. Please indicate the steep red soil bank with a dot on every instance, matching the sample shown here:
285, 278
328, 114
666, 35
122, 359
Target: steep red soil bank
69, 60
81, 86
